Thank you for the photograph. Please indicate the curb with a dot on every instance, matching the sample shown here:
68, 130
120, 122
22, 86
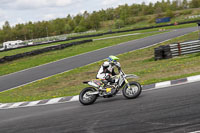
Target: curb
76, 98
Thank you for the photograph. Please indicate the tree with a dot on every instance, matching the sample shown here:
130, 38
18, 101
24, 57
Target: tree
158, 8
68, 29
71, 23
124, 13
174, 5
119, 24
30, 28
59, 25
102, 15
195, 4
110, 13
82, 26
80, 29
94, 20
17, 31
86, 15
185, 4
77, 19
169, 13
2, 36
7, 31
150, 9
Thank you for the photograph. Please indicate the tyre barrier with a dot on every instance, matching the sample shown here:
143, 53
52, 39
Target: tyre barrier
162, 52
177, 49
40, 51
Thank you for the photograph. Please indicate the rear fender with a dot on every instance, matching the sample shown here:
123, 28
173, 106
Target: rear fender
85, 82
91, 83
93, 93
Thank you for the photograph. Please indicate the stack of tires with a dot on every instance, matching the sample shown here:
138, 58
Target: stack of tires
162, 52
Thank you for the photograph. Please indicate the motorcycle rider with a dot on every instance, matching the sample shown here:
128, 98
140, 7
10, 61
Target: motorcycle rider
106, 70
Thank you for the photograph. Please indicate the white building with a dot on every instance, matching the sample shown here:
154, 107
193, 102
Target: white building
13, 44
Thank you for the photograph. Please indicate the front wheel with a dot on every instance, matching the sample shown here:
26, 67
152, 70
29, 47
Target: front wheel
133, 92
85, 98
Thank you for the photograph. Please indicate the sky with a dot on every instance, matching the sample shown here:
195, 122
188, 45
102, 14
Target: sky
22, 11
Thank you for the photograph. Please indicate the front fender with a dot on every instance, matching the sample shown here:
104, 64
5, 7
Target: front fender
131, 76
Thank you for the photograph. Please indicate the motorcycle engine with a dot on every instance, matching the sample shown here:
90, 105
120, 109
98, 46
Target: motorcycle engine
110, 89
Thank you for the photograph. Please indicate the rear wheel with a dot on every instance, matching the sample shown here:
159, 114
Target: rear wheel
133, 92
85, 98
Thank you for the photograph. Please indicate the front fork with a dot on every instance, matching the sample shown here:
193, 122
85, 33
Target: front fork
129, 87
126, 81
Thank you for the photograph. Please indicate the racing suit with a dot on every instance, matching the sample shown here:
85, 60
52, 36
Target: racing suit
106, 73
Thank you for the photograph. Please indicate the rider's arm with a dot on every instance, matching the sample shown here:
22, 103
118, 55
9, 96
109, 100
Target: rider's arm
101, 73
113, 73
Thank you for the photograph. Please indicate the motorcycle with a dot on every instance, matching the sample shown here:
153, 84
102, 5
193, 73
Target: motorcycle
105, 89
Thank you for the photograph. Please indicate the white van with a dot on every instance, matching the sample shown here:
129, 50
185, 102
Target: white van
13, 44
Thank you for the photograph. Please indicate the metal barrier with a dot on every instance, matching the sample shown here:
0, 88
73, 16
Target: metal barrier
185, 48
172, 50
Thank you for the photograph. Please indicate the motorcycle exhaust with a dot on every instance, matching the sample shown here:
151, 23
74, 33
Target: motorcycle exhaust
93, 93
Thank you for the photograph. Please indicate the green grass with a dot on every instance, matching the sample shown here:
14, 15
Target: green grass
32, 61
149, 20
28, 49
28, 62
140, 62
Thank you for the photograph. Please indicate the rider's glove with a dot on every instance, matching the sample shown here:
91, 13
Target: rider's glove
107, 77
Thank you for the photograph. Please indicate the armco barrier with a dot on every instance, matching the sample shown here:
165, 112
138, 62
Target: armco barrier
178, 49
185, 48
40, 51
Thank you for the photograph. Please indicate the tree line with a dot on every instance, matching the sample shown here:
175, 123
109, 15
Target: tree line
122, 15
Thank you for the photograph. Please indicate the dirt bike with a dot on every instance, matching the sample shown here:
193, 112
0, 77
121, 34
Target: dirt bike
103, 88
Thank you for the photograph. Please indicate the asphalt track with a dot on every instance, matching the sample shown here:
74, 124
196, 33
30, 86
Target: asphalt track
172, 109
29, 75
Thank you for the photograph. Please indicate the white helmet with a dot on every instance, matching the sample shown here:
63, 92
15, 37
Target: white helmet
106, 64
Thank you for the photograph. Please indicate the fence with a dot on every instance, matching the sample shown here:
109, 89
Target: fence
172, 50
185, 48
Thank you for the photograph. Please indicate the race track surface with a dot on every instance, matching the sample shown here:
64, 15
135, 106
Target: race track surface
172, 109
29, 75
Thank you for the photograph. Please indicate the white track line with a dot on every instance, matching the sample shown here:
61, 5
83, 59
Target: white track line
163, 84
74, 98
195, 132
53, 101
193, 78
15, 105
33, 103
116, 36
3, 105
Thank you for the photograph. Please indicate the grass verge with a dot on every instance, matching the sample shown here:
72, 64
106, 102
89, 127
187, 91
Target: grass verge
28, 62
140, 62
28, 49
